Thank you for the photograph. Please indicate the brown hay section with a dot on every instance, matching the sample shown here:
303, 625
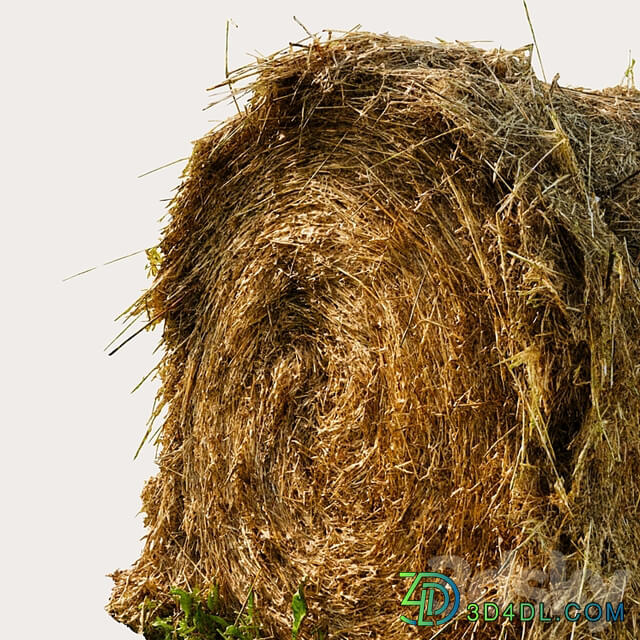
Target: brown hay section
400, 295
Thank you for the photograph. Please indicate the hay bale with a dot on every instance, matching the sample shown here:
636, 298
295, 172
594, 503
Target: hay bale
400, 302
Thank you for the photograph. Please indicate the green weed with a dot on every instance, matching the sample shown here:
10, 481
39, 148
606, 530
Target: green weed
629, 78
200, 617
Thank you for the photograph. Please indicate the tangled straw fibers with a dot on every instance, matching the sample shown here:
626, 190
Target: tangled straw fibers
400, 300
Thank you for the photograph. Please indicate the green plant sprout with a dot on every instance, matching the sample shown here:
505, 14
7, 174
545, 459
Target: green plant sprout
200, 617
629, 78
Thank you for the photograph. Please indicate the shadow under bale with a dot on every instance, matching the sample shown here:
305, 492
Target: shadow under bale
400, 301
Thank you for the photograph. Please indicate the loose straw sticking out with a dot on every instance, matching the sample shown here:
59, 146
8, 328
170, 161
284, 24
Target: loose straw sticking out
392, 334
535, 41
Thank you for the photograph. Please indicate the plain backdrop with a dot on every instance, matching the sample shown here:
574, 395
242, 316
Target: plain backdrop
92, 94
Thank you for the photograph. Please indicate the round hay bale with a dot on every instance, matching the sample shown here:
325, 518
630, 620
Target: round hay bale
400, 302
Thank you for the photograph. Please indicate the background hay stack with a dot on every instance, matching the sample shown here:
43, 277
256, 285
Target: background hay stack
400, 294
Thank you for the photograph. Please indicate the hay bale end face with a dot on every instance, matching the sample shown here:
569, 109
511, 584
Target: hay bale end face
400, 301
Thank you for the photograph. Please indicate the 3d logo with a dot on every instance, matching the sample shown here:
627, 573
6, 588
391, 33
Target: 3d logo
429, 592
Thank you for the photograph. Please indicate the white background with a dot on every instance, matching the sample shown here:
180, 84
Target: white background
92, 95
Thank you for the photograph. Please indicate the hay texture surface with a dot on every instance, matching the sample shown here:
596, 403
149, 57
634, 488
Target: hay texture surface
400, 301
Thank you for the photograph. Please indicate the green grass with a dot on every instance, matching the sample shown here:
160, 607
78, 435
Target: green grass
199, 617
629, 78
